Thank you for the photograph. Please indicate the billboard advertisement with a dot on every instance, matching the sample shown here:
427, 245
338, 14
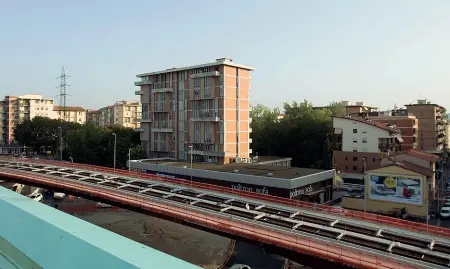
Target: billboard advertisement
397, 189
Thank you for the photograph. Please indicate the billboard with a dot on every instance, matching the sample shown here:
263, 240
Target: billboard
397, 189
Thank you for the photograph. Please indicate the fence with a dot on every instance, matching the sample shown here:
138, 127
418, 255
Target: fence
369, 217
229, 225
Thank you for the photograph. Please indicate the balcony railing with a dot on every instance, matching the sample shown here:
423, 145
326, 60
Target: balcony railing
205, 116
142, 82
206, 74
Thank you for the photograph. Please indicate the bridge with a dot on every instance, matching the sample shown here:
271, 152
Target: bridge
348, 237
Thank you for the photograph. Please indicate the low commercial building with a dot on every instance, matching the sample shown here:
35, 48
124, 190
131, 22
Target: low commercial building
396, 188
270, 177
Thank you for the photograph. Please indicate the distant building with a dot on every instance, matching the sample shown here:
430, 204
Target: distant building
199, 111
361, 145
18, 108
431, 125
124, 113
72, 114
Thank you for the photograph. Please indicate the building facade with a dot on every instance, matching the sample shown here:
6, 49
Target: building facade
72, 114
125, 113
18, 108
361, 144
431, 125
406, 122
199, 111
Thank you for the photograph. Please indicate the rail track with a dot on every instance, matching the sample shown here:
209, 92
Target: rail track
427, 251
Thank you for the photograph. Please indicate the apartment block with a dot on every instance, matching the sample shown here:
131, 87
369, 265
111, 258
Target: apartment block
358, 109
70, 114
199, 112
93, 116
18, 108
362, 144
124, 113
431, 125
406, 122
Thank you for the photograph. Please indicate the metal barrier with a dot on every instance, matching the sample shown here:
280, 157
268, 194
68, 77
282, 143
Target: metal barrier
368, 217
228, 225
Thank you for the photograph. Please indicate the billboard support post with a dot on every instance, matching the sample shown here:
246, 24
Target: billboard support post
365, 184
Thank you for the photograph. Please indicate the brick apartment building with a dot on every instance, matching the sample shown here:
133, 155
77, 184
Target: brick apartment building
200, 110
431, 125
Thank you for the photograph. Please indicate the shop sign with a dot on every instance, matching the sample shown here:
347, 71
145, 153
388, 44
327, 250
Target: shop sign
240, 187
299, 192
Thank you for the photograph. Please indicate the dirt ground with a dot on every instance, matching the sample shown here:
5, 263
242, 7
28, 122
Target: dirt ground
195, 246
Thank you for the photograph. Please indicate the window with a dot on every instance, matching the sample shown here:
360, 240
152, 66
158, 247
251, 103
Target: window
364, 140
346, 167
355, 131
355, 149
364, 132
355, 168
346, 158
355, 158
355, 140
364, 150
373, 160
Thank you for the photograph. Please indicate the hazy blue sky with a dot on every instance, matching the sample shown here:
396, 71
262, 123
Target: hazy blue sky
378, 51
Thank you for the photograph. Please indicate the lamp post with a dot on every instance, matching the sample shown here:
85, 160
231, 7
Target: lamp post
190, 148
60, 144
129, 160
365, 184
115, 144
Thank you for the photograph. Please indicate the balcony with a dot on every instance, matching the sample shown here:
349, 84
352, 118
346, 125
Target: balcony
142, 82
250, 140
206, 74
162, 127
139, 92
206, 116
138, 129
206, 153
148, 120
162, 90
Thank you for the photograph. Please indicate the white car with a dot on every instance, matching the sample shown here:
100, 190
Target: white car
59, 195
102, 205
37, 197
445, 212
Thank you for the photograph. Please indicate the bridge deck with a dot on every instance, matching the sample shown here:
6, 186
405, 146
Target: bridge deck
405, 247
33, 235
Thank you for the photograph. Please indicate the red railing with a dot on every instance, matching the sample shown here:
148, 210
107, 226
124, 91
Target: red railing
368, 217
228, 225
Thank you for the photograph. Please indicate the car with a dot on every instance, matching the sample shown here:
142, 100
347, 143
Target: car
445, 212
37, 197
102, 205
446, 204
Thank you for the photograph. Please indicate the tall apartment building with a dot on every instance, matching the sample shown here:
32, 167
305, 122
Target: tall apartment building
72, 114
124, 113
431, 125
18, 108
200, 111
362, 143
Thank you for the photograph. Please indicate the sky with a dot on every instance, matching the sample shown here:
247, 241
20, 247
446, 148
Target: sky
381, 52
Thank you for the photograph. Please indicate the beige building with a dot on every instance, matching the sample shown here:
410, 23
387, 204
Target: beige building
200, 111
124, 113
72, 114
14, 109
431, 125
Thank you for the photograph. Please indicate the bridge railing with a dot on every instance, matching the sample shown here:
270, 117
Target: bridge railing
369, 217
229, 225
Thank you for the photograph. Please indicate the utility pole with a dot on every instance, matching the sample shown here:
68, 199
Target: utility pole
62, 103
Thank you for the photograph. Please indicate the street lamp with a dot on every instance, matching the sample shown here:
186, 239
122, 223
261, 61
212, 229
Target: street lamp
115, 144
365, 184
190, 148
60, 144
129, 160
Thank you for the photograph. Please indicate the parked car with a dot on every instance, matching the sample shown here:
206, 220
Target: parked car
36, 196
445, 212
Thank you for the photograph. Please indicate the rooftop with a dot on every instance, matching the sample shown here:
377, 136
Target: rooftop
69, 108
372, 123
220, 61
422, 155
245, 168
412, 167
59, 240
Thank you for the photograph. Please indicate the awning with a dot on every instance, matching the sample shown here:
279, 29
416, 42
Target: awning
337, 130
399, 139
